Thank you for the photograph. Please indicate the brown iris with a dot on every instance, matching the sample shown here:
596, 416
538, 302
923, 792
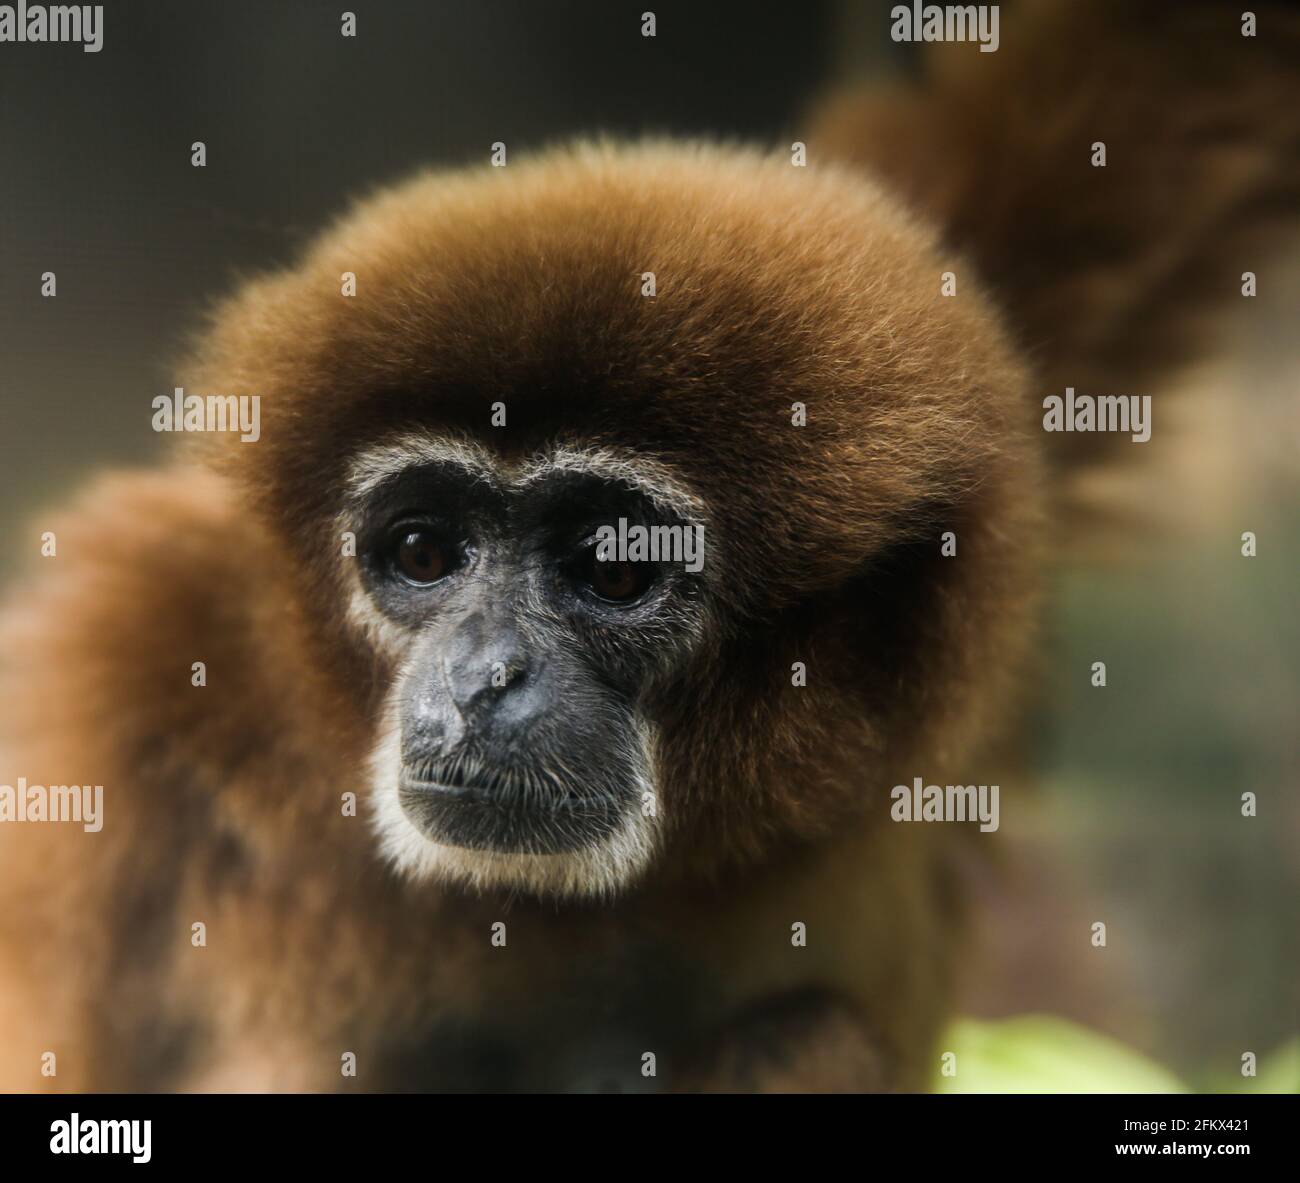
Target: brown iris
422, 557
616, 581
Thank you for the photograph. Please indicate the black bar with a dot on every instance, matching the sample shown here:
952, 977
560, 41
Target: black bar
375, 1132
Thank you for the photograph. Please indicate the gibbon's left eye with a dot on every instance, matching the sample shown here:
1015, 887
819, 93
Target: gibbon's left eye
421, 556
613, 581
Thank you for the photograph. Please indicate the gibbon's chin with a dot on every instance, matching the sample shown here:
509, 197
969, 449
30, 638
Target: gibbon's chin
457, 840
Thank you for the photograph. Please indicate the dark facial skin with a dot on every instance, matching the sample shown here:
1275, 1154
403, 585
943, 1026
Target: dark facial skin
529, 656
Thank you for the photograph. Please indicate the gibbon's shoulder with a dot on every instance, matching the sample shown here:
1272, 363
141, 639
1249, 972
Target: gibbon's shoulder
134, 633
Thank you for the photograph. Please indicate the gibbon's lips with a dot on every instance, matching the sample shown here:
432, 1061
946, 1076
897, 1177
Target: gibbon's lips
507, 813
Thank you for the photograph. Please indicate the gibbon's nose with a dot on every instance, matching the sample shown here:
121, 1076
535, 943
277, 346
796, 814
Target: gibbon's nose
486, 672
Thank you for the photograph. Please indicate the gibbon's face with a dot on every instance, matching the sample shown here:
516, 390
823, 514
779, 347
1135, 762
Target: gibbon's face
515, 733
708, 342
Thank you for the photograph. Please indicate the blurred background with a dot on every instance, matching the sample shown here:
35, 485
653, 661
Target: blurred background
1136, 818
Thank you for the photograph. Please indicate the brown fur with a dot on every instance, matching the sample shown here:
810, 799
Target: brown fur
222, 804
1110, 277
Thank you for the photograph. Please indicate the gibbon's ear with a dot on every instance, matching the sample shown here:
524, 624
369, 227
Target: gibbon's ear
1108, 274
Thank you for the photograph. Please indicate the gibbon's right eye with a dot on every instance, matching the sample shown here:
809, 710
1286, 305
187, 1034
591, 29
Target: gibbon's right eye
421, 556
612, 581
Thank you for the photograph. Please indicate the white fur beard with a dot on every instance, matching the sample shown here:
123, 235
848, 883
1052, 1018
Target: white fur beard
601, 869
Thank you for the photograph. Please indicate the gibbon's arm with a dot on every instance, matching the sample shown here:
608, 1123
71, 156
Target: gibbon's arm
152, 573
1108, 272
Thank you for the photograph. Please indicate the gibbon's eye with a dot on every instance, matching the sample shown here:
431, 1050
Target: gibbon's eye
615, 582
422, 556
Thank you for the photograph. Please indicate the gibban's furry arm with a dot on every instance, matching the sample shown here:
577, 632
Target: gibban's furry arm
1108, 274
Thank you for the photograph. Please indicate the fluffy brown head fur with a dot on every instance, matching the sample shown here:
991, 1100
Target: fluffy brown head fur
776, 285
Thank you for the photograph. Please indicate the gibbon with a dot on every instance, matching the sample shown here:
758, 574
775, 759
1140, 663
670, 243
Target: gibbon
407, 786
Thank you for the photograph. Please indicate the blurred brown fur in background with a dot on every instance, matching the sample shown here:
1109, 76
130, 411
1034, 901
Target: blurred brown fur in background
1110, 277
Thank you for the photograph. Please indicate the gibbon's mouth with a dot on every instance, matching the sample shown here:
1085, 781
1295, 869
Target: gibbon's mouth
505, 812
